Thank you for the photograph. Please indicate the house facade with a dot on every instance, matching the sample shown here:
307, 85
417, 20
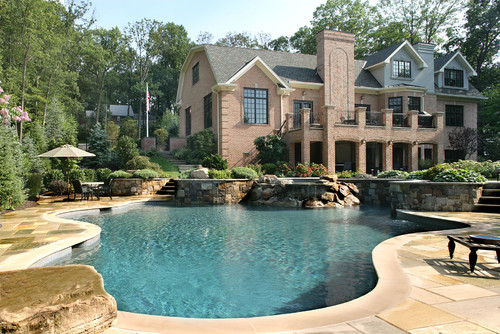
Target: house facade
387, 111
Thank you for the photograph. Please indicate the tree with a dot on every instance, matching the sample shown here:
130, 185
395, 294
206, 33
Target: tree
490, 123
281, 43
465, 140
272, 149
112, 130
204, 37
60, 127
243, 40
128, 127
99, 145
12, 169
126, 149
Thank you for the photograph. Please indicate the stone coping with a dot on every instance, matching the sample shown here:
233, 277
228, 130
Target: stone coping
392, 290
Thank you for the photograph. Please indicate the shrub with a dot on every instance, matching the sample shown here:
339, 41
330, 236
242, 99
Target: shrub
318, 170
398, 174
126, 148
257, 169
418, 175
152, 153
220, 174
181, 153
119, 174
200, 145
434, 171
214, 161
53, 175
186, 174
99, 144
271, 149
425, 164
12, 169
459, 175
269, 168
34, 184
161, 136
141, 162
347, 174
77, 174
486, 168
102, 174
303, 170
58, 187
146, 173
244, 173
284, 169
128, 127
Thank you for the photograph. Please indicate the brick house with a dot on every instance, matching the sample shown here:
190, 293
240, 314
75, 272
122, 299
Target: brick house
383, 112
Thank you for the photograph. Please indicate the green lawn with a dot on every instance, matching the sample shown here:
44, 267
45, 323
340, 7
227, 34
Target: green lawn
169, 168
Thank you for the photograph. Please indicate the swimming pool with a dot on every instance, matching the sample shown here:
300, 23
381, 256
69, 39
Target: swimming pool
236, 261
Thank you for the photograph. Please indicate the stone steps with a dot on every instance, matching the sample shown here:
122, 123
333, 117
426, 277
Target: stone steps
168, 189
181, 164
490, 198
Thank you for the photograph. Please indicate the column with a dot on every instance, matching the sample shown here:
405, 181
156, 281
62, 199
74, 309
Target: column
413, 115
387, 164
387, 117
361, 117
361, 156
413, 165
328, 117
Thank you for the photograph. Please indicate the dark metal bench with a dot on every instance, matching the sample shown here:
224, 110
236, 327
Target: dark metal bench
473, 245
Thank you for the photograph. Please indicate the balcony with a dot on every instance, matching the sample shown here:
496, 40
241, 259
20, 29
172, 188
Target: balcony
426, 121
400, 120
375, 118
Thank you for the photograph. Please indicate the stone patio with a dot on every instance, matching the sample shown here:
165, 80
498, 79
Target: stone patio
425, 292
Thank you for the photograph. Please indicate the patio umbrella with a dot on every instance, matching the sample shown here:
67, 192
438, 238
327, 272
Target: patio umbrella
66, 151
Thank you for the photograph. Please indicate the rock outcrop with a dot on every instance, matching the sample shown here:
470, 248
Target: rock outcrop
315, 193
66, 299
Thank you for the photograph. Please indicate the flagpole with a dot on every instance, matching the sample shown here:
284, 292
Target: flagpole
147, 111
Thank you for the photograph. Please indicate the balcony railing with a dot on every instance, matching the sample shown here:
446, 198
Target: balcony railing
375, 118
426, 121
400, 120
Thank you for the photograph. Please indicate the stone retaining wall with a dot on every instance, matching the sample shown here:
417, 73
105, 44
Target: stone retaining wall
199, 192
136, 186
419, 195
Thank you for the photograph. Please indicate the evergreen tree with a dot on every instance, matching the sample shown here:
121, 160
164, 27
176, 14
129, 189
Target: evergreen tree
100, 146
12, 169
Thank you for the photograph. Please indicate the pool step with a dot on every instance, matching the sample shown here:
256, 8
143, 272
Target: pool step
168, 189
490, 198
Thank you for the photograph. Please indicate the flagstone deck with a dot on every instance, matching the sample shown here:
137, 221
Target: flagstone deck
420, 289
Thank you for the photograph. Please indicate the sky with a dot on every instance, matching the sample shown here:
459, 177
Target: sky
218, 17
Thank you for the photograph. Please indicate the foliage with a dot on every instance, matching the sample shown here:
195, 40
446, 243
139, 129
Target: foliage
257, 169
200, 145
142, 162
434, 171
303, 170
425, 164
220, 174
186, 174
128, 128
165, 165
58, 187
126, 148
34, 184
284, 169
102, 174
99, 145
181, 153
347, 173
12, 169
318, 170
418, 175
271, 149
83, 174
60, 126
32, 162
161, 136
214, 161
112, 130
398, 174
269, 168
489, 115
53, 175
459, 175
244, 173
486, 168
119, 174
146, 173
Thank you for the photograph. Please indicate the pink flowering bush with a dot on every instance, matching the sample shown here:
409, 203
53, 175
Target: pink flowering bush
9, 114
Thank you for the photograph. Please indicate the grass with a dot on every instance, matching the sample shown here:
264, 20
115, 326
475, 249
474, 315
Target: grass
168, 168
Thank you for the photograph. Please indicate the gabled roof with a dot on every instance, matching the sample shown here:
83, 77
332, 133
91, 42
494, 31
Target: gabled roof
442, 62
384, 56
121, 110
227, 61
363, 77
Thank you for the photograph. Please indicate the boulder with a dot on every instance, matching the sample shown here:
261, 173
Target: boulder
268, 178
330, 178
66, 299
313, 203
352, 187
351, 200
267, 193
201, 173
256, 194
328, 196
343, 191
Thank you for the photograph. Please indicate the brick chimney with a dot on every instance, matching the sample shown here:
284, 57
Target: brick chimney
335, 57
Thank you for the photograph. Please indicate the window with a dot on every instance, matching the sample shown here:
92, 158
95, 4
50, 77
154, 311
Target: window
413, 103
401, 68
188, 121
196, 73
454, 115
453, 78
207, 110
453, 155
396, 104
297, 105
255, 104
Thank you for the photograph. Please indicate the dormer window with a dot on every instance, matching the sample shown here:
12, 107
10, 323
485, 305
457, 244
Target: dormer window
401, 68
453, 78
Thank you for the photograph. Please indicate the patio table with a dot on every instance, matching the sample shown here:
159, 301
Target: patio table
473, 245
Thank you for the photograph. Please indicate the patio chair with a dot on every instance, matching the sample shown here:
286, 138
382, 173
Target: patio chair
83, 190
105, 189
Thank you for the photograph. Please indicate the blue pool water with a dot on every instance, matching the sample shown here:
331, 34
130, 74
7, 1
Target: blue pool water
236, 261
